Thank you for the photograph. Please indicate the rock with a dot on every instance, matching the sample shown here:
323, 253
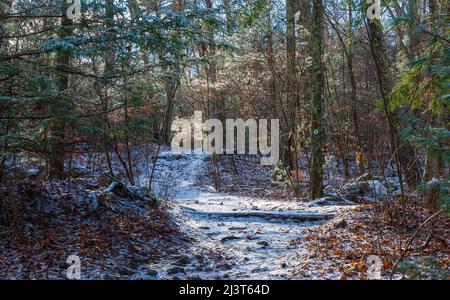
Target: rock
330, 200
176, 270
133, 265
260, 270
93, 184
329, 191
105, 180
115, 188
237, 228
372, 188
340, 223
183, 260
377, 187
229, 238
224, 266
34, 172
352, 188
132, 193
126, 272
151, 272
264, 244
78, 171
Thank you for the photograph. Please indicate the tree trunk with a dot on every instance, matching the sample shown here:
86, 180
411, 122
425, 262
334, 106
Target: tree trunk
173, 81
291, 82
433, 161
404, 152
317, 126
353, 99
60, 109
226, 4
413, 8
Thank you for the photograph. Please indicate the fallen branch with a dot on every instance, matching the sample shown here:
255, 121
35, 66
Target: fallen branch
299, 217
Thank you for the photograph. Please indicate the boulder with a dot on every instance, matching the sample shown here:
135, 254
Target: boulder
330, 201
373, 189
329, 191
152, 272
340, 223
229, 238
78, 171
92, 184
176, 270
34, 172
115, 188
264, 244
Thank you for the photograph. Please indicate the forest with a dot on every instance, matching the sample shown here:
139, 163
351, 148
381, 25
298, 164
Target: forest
351, 95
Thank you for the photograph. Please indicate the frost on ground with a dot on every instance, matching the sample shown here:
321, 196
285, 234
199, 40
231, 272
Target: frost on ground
115, 236
250, 229
236, 237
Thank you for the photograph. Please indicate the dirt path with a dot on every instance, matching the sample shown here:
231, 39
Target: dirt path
233, 237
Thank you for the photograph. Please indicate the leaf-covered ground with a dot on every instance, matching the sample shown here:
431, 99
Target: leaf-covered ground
252, 228
114, 237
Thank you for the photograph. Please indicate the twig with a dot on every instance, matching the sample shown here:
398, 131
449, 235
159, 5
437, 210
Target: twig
411, 240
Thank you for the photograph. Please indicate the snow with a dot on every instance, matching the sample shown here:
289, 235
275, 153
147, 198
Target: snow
235, 237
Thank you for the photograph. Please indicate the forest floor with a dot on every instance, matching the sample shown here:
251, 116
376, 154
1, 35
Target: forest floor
236, 236
250, 229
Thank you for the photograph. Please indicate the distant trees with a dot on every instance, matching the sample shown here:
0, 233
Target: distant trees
92, 81
342, 86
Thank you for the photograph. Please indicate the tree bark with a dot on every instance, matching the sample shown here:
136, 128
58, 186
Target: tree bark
60, 109
291, 82
403, 150
317, 126
172, 83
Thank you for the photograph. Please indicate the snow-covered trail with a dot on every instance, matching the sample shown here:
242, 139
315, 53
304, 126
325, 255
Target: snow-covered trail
234, 237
